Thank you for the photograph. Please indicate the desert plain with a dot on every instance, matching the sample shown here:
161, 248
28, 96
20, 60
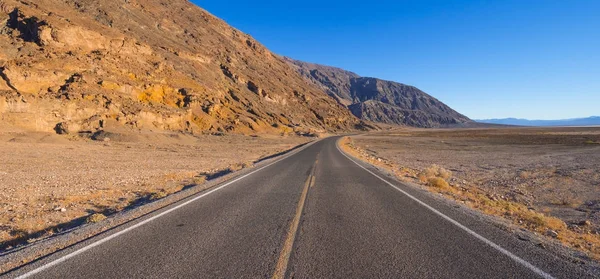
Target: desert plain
48, 181
542, 179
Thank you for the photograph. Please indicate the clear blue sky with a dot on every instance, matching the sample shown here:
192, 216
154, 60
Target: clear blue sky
486, 59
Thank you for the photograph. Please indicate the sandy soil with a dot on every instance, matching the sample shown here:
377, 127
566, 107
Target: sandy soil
553, 171
47, 180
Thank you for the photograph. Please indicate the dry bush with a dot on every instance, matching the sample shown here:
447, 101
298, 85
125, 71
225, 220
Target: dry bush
199, 179
540, 222
444, 173
95, 218
554, 223
434, 171
427, 173
157, 195
239, 166
567, 200
571, 202
236, 167
438, 182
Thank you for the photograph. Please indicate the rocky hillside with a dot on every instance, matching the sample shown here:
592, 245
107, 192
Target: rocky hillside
378, 100
81, 66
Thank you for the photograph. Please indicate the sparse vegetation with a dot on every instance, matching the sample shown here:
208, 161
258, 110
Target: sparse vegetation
157, 195
95, 218
199, 179
513, 206
106, 179
567, 201
432, 172
437, 182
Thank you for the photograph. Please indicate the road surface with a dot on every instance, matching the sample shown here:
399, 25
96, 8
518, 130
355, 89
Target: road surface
313, 214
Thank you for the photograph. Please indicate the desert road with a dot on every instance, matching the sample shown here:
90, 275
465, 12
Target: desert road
315, 213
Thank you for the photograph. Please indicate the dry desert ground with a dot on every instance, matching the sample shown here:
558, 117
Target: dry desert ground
543, 179
46, 180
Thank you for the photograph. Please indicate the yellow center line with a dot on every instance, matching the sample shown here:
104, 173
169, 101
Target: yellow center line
313, 176
284, 257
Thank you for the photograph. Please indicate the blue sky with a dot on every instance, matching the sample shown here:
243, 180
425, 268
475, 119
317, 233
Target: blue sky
486, 59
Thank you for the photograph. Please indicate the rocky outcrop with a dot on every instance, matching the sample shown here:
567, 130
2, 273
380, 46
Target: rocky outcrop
335, 81
79, 66
378, 100
377, 111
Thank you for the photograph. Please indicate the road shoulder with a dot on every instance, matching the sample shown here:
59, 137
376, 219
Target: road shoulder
523, 243
83, 235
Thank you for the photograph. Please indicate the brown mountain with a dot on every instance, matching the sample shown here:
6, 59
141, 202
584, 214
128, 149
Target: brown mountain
85, 65
378, 100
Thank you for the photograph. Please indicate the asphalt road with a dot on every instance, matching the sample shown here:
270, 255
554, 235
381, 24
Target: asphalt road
313, 214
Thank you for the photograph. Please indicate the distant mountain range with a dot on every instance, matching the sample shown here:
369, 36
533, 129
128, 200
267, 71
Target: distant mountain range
588, 121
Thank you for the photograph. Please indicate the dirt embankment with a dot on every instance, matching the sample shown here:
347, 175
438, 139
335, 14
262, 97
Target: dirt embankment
49, 183
543, 179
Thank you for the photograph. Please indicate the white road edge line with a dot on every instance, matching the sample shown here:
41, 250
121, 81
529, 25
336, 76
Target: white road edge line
456, 223
101, 241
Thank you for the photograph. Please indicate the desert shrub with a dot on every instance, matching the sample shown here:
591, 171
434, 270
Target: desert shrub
235, 167
537, 220
158, 195
554, 223
199, 179
567, 200
434, 171
444, 173
570, 201
540, 221
430, 171
95, 218
438, 182
487, 202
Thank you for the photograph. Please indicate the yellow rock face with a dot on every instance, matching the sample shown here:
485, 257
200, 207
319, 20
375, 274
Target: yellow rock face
73, 37
4, 86
31, 81
110, 85
2, 104
160, 94
144, 67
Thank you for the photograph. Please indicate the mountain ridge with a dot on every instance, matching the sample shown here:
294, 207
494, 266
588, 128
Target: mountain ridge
377, 100
583, 121
83, 66
74, 66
